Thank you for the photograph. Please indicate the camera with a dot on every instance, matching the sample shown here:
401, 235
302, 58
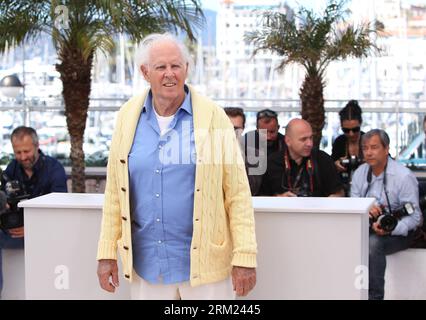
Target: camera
14, 191
388, 220
351, 163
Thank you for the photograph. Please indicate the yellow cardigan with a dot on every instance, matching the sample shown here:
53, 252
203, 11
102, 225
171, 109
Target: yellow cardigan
223, 221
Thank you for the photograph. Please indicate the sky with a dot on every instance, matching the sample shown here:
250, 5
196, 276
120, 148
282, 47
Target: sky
315, 4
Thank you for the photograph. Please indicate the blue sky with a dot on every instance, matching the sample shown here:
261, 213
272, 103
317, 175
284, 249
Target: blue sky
214, 4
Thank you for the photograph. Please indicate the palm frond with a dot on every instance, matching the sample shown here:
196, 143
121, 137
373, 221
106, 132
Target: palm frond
21, 20
312, 41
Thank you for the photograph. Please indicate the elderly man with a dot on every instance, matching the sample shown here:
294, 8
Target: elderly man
392, 185
36, 173
300, 170
177, 199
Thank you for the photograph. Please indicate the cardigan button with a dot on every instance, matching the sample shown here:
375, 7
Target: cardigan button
127, 276
122, 161
124, 218
125, 248
123, 189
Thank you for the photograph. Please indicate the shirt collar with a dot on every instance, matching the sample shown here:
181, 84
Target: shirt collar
186, 104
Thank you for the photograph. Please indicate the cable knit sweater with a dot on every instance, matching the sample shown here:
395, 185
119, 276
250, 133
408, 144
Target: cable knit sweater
223, 220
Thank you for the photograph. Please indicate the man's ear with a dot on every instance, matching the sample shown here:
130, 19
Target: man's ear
144, 71
287, 139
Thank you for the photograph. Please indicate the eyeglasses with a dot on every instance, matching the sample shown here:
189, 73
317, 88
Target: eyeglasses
266, 114
354, 130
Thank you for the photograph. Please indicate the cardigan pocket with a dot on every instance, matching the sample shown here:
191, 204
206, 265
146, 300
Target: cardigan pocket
220, 254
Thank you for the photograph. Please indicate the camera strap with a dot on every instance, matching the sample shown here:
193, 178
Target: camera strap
369, 178
309, 166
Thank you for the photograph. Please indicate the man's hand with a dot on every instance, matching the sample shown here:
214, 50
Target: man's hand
286, 194
243, 280
379, 231
108, 268
339, 166
375, 212
16, 232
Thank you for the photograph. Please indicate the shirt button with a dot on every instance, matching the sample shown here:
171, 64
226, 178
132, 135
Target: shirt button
159, 241
157, 195
158, 220
157, 171
160, 146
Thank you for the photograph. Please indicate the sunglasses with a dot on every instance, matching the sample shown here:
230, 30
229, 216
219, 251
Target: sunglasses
267, 114
354, 130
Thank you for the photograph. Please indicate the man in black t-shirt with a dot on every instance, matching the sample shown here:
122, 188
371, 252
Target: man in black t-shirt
259, 145
300, 170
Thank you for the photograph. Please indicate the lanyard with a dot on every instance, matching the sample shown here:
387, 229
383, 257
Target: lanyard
309, 168
369, 177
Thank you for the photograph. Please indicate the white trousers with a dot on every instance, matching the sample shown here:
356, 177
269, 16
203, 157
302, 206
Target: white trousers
143, 290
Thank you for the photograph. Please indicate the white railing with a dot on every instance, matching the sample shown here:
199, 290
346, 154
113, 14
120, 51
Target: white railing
402, 119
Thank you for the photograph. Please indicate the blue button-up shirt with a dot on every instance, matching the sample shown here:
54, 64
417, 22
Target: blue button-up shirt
162, 179
401, 187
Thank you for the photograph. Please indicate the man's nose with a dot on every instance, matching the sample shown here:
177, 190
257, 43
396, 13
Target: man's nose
168, 72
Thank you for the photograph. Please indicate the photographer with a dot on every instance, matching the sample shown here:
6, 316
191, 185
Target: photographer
35, 173
393, 185
259, 145
347, 151
298, 169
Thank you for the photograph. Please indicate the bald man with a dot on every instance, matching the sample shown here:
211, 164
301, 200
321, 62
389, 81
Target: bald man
299, 169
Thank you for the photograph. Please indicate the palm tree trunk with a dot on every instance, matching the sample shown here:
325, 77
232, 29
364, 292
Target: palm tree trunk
311, 95
75, 73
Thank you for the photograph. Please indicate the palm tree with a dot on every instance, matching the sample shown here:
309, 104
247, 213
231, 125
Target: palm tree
313, 42
78, 28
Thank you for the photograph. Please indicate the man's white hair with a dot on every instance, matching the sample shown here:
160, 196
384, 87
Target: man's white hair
142, 54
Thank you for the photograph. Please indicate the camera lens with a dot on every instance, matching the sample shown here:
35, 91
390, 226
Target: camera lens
387, 222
